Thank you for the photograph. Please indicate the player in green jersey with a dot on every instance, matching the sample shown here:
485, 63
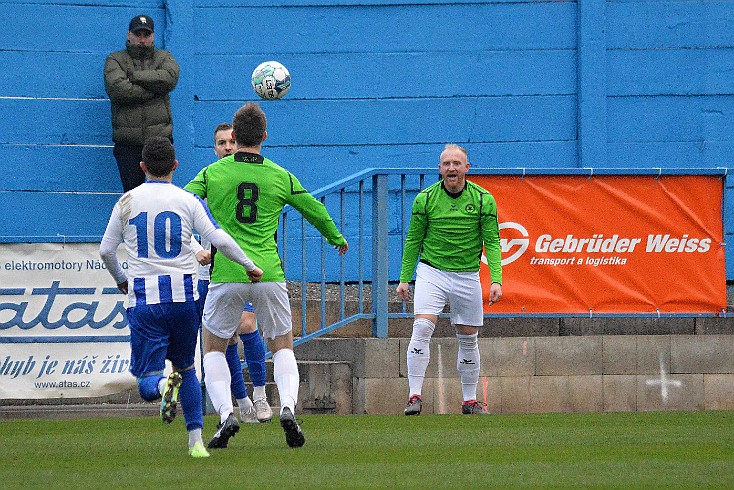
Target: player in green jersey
257, 409
246, 194
450, 221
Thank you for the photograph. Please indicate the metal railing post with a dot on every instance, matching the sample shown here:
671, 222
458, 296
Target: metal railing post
379, 255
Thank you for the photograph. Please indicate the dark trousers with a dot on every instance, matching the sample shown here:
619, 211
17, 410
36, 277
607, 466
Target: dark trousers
128, 163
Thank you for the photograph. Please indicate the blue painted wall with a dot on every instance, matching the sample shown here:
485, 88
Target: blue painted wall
519, 83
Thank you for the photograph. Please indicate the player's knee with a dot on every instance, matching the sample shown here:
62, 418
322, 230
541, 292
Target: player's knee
467, 342
422, 330
148, 387
248, 323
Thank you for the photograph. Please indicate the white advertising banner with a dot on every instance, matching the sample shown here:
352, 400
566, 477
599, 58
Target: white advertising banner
63, 329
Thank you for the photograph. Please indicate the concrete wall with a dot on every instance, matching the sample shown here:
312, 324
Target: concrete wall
375, 84
528, 365
597, 373
521, 373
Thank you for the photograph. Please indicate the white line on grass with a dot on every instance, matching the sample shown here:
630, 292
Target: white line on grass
441, 404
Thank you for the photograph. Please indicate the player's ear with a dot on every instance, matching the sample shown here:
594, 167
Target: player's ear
144, 167
265, 135
175, 165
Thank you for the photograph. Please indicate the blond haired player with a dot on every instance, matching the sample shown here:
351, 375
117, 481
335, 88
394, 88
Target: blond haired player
450, 221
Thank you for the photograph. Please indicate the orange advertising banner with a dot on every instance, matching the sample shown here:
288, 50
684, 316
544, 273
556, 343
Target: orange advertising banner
608, 244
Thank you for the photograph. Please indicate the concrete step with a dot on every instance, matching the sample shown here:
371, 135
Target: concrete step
75, 411
325, 387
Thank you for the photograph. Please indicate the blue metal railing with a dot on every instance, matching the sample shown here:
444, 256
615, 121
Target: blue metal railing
368, 259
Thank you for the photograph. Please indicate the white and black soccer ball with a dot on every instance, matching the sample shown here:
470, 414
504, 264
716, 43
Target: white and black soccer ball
271, 80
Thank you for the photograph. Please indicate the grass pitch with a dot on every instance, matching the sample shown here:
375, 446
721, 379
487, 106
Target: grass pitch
624, 450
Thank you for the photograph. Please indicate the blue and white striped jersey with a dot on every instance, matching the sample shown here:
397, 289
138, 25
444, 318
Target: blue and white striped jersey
156, 221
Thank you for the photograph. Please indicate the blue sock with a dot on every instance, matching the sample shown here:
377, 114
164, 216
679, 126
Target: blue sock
148, 387
189, 396
255, 356
235, 369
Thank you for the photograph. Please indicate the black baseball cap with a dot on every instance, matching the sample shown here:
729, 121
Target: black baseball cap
141, 22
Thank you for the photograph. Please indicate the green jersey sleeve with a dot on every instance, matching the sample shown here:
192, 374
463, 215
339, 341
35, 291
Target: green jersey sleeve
491, 237
198, 184
314, 211
414, 238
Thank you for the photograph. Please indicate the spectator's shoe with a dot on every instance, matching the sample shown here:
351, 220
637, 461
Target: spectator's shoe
226, 430
293, 434
415, 403
263, 410
249, 416
169, 402
473, 407
198, 451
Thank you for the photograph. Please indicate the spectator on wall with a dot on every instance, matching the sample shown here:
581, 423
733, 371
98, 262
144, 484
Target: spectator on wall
138, 80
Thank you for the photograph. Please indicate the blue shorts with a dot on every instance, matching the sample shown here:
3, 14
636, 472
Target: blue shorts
203, 287
163, 331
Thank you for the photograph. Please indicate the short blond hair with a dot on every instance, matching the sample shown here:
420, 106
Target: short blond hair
453, 146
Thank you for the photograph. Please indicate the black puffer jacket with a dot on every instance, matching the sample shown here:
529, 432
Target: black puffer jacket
138, 80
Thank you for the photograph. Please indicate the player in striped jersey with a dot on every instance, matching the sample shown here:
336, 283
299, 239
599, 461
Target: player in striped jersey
155, 221
246, 193
450, 221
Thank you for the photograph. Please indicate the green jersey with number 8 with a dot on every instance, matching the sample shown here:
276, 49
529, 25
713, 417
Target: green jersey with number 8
246, 194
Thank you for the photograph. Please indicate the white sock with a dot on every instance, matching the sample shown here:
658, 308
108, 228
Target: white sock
162, 385
419, 354
285, 372
217, 380
244, 404
468, 365
194, 437
258, 393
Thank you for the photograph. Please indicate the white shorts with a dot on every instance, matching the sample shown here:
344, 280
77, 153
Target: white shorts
462, 291
225, 301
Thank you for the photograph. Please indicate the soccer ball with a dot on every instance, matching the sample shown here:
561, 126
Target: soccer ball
271, 80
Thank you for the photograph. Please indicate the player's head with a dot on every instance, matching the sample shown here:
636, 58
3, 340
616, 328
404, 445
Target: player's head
453, 166
224, 142
250, 124
159, 157
140, 31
